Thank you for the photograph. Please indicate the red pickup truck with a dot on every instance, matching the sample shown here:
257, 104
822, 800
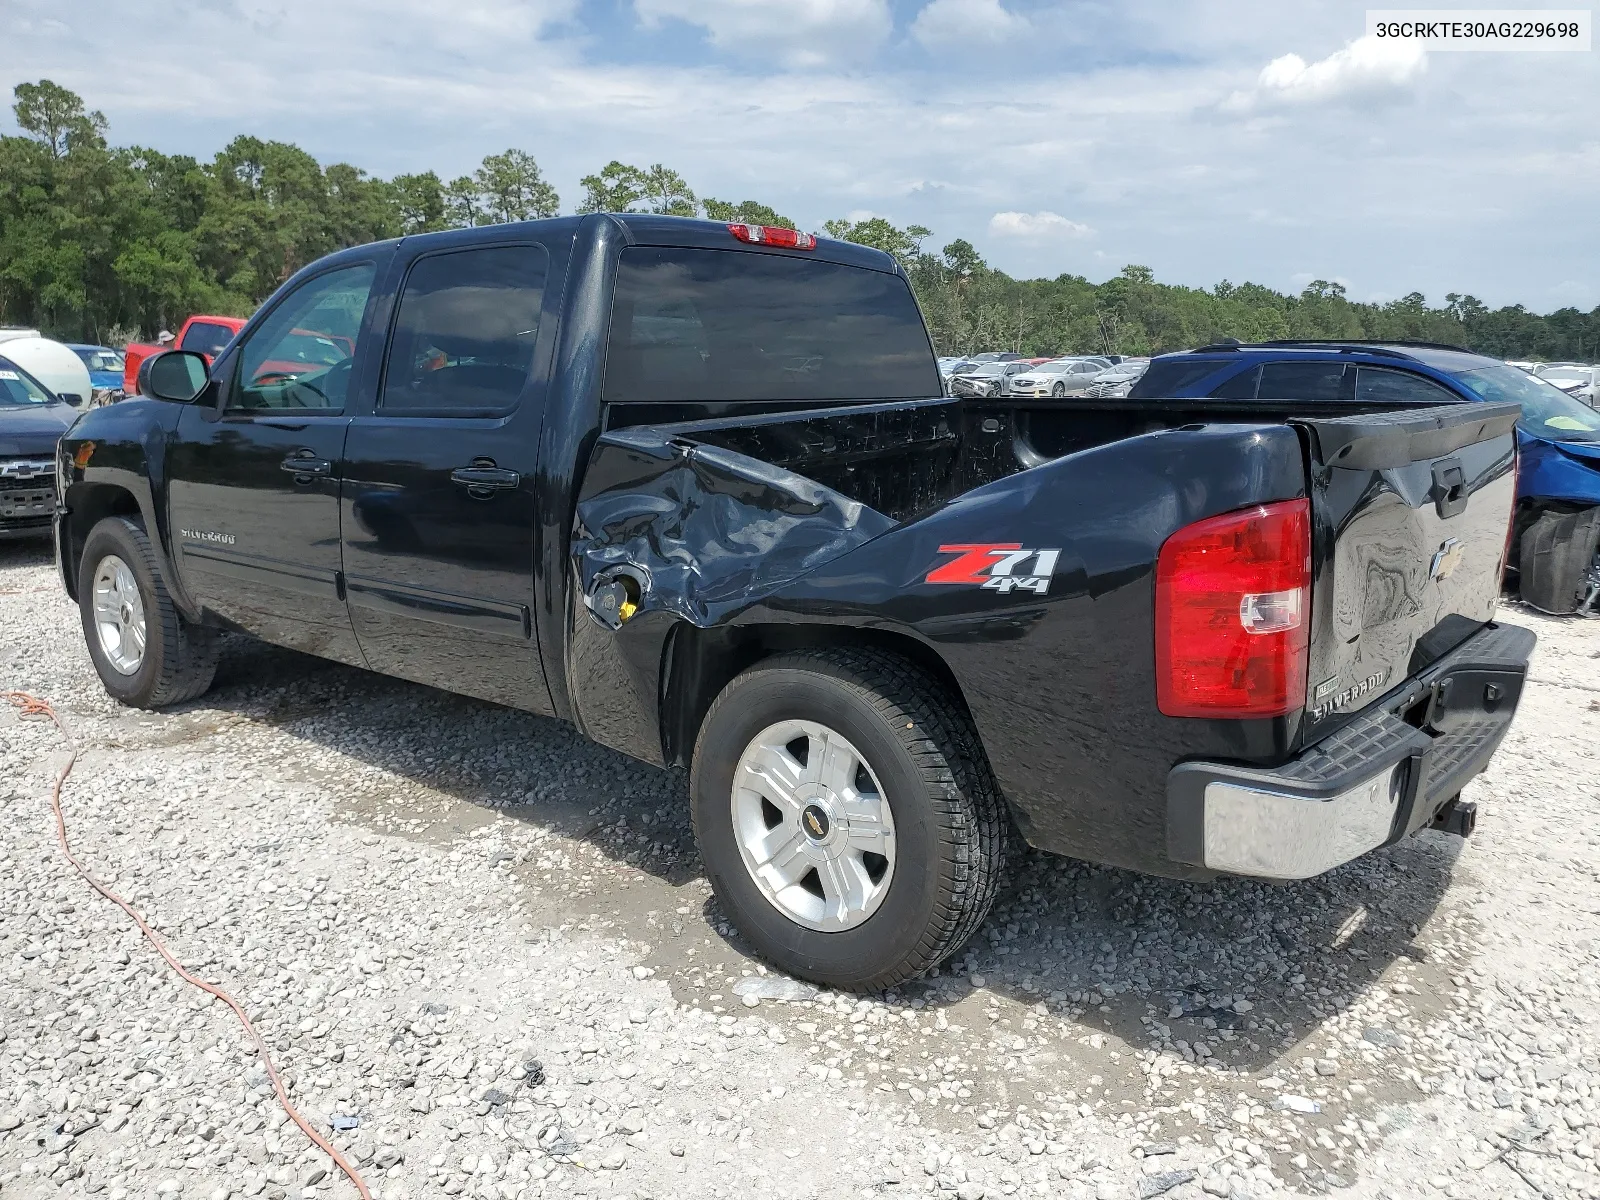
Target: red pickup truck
302, 350
207, 335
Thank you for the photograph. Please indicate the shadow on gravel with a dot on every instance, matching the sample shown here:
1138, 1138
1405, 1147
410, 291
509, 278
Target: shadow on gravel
31, 552
1114, 950
1125, 954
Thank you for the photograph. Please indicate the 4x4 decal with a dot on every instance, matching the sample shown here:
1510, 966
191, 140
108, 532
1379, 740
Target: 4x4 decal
999, 566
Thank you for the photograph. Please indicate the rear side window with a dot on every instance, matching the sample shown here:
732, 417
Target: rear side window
207, 338
1377, 385
464, 337
708, 326
1172, 378
1302, 381
1241, 387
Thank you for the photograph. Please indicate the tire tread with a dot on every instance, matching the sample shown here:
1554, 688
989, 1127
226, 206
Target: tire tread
975, 831
189, 655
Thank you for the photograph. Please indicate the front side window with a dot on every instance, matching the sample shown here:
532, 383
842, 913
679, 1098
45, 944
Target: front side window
465, 333
707, 326
302, 355
1380, 385
18, 389
207, 338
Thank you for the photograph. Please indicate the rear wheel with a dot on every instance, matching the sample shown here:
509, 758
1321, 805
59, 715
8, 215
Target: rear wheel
846, 816
146, 654
1557, 560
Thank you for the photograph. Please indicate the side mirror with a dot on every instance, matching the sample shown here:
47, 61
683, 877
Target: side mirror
176, 375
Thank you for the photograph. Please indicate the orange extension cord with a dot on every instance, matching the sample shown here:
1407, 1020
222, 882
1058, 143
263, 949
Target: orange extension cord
32, 706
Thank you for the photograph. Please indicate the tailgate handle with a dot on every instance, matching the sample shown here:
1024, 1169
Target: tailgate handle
1449, 487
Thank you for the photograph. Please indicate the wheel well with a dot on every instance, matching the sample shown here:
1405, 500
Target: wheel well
89, 504
699, 663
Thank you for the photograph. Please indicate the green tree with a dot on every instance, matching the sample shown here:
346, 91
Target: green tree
616, 188
878, 233
666, 193
56, 117
421, 202
746, 212
95, 238
512, 188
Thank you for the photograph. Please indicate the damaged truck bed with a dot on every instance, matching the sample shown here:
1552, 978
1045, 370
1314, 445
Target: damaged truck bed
700, 497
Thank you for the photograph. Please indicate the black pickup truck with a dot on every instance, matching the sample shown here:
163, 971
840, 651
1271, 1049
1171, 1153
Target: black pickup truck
693, 487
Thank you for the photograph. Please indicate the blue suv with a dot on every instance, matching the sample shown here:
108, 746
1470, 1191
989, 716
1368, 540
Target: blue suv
1556, 549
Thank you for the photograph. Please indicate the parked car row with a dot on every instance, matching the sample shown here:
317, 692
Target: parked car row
1578, 380
1008, 374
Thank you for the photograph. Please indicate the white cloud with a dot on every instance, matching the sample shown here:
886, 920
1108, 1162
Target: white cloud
955, 23
796, 33
1037, 225
1497, 151
1365, 68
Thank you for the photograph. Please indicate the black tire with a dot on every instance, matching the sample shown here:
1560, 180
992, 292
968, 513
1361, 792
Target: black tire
951, 830
1059, 391
1554, 558
180, 659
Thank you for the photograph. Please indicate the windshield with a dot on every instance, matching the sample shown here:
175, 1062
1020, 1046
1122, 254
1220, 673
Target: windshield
1566, 375
1547, 411
988, 368
101, 359
18, 389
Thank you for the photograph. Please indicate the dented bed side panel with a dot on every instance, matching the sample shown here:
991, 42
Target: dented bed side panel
1036, 591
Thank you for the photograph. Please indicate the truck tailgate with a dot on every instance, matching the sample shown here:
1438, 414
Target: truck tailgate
1411, 511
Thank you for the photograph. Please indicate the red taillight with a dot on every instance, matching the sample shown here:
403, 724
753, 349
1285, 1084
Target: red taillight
773, 235
1233, 601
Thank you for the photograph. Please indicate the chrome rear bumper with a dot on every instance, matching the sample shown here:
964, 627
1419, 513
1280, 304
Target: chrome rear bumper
1378, 779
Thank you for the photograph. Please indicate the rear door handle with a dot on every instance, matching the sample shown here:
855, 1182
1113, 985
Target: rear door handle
483, 478
305, 462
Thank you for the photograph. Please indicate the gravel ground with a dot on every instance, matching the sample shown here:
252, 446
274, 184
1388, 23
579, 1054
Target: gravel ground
484, 954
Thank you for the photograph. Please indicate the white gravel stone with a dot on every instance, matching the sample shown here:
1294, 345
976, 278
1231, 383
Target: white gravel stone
455, 890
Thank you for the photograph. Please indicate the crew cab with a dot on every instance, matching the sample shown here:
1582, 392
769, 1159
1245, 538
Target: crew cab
693, 488
204, 335
1554, 559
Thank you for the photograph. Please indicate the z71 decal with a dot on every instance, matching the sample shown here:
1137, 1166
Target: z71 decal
999, 566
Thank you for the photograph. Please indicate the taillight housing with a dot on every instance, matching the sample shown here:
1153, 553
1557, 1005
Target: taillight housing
1233, 613
773, 235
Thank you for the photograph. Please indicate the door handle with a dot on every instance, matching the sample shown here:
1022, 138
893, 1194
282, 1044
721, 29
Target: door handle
305, 462
482, 479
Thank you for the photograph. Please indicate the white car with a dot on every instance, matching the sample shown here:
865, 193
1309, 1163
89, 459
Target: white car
1580, 382
986, 379
1058, 378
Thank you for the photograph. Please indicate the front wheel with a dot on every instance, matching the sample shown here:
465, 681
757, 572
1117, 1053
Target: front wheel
146, 654
846, 817
1059, 391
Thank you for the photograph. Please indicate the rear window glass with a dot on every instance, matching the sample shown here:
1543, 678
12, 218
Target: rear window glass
206, 338
707, 326
1302, 381
1240, 387
1379, 385
1172, 378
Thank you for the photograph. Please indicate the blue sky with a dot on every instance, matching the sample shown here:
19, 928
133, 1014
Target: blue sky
1247, 141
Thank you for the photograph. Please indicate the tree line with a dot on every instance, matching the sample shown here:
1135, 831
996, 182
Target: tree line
102, 243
